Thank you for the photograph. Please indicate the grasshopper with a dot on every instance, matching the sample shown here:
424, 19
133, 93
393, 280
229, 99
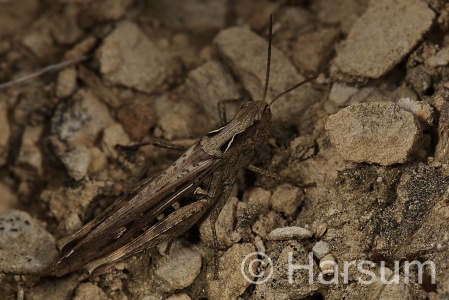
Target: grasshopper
159, 209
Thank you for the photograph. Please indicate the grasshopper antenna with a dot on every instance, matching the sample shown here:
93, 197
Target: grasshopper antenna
291, 89
267, 76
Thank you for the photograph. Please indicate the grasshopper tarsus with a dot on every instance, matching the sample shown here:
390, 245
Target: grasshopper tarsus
300, 184
216, 265
305, 185
168, 248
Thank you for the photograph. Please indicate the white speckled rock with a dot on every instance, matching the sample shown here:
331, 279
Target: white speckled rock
25, 247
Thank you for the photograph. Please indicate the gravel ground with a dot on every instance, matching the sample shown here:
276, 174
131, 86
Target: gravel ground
369, 137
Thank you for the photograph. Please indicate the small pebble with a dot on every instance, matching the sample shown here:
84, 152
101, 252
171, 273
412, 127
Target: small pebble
80, 120
180, 268
181, 120
103, 11
77, 162
66, 82
330, 107
320, 230
70, 224
136, 119
40, 43
287, 199
289, 233
258, 198
179, 297
231, 283
209, 84
151, 297
63, 201
441, 58
403, 92
422, 110
227, 234
282, 286
64, 26
128, 58
340, 93
89, 290
30, 152
112, 136
369, 94
313, 50
328, 264
82, 48
267, 222
260, 246
320, 249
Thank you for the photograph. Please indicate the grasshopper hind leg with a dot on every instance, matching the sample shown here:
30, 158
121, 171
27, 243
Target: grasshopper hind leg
167, 229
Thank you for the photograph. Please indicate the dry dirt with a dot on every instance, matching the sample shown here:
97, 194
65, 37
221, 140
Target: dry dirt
376, 200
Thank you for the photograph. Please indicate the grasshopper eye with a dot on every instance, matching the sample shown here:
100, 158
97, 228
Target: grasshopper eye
245, 105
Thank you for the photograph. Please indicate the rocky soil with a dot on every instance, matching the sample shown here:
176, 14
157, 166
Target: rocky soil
369, 138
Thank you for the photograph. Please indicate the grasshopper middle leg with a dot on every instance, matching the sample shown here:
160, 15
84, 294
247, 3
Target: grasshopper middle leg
219, 191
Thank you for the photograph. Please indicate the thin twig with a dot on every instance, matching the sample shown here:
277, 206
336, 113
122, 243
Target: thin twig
47, 69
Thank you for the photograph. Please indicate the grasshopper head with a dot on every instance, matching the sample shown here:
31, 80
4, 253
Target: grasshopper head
252, 124
254, 112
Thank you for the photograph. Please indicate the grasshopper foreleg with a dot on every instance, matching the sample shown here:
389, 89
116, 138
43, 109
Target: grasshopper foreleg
222, 109
154, 142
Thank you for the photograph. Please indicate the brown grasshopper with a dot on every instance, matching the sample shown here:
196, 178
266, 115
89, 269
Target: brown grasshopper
159, 209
